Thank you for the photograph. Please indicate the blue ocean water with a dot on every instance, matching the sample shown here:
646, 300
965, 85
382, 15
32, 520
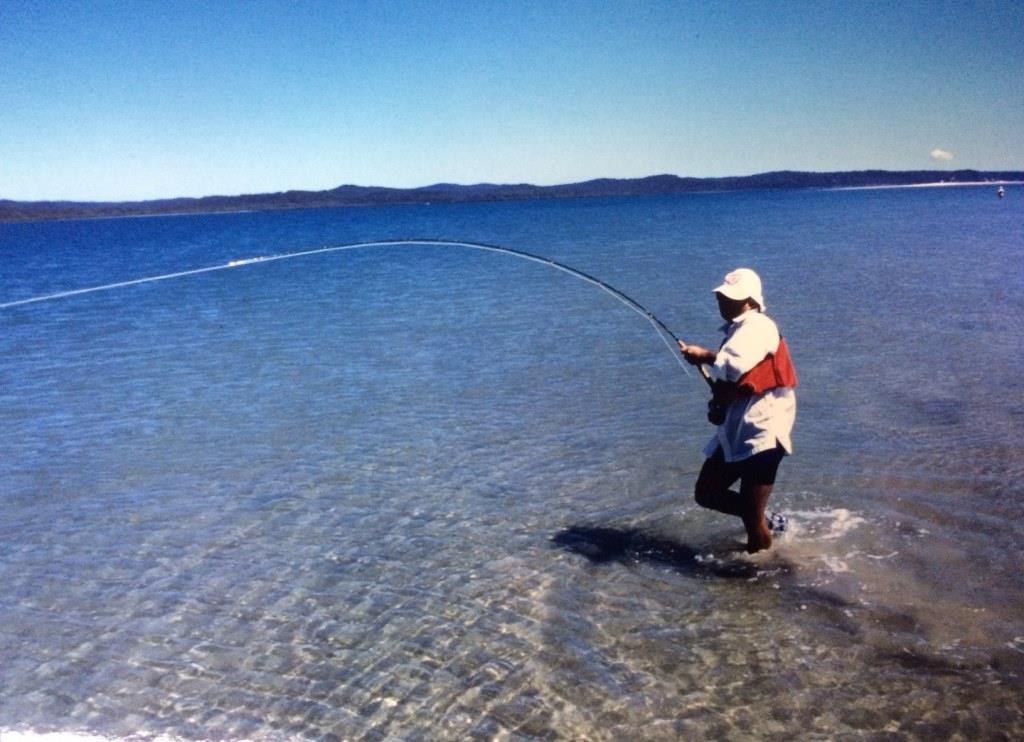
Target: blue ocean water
430, 492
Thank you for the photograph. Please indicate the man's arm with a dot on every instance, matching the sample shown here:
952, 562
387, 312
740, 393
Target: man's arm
696, 355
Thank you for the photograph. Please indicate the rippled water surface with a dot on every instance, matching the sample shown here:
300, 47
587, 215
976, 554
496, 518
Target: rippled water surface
426, 492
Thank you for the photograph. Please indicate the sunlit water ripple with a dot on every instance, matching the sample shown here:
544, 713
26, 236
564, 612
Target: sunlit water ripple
423, 492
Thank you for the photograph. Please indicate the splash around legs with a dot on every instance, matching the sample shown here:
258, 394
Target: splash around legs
757, 479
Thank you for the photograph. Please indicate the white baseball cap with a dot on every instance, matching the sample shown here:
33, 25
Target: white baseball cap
742, 284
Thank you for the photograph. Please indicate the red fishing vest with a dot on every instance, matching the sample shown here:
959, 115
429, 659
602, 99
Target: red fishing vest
774, 371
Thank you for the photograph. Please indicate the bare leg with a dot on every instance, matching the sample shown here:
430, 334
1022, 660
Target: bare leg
712, 491
755, 500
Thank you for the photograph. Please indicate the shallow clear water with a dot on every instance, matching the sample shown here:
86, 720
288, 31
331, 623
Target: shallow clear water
427, 492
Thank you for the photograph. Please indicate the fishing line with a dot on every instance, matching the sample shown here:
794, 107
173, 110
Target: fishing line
659, 327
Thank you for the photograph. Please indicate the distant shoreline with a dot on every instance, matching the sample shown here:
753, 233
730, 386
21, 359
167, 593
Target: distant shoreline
938, 184
448, 193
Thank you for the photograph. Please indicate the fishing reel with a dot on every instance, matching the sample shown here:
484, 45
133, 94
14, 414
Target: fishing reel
723, 394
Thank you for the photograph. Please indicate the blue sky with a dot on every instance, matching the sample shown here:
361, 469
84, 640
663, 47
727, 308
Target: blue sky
142, 99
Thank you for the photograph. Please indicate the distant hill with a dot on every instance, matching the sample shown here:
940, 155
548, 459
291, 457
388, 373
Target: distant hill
352, 195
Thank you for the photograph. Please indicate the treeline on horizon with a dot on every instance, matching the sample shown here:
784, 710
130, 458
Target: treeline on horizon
349, 195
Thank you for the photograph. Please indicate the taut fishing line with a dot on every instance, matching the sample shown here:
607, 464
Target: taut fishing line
659, 327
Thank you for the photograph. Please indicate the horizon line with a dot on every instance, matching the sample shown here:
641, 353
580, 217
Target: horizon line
493, 184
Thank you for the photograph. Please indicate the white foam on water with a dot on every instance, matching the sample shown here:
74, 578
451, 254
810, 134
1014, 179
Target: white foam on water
823, 525
811, 537
835, 564
816, 537
248, 261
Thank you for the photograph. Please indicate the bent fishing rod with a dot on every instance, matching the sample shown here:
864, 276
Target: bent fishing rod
659, 327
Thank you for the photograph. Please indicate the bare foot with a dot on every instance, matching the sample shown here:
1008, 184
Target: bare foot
759, 538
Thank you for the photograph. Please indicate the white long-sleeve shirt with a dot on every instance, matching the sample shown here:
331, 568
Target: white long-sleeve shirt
762, 421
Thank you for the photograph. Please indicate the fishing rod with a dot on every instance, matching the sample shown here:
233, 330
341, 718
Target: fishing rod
659, 327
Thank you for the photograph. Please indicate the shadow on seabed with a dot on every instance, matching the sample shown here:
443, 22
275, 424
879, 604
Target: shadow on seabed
888, 634
632, 546
603, 544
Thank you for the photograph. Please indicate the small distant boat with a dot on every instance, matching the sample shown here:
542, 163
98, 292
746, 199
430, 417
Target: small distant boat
1000, 192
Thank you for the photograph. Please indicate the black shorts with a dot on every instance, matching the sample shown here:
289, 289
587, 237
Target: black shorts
760, 468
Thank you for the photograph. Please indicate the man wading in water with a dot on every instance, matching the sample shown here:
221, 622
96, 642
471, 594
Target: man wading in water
754, 407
